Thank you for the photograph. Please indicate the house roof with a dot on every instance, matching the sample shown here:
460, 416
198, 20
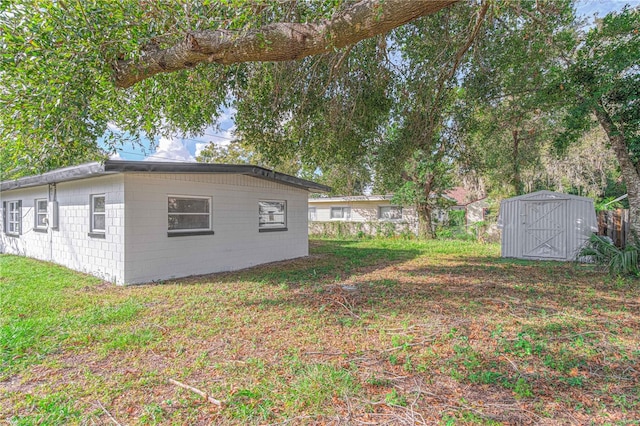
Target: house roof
364, 198
110, 167
461, 196
351, 198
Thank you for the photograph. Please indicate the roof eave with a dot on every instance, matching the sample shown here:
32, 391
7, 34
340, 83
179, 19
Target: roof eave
88, 170
66, 174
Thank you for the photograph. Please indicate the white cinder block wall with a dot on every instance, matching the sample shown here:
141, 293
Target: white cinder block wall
136, 248
30, 243
152, 255
70, 245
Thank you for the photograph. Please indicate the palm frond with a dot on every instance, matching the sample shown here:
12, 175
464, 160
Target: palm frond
603, 252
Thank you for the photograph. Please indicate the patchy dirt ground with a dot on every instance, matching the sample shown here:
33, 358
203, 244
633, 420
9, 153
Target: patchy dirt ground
369, 332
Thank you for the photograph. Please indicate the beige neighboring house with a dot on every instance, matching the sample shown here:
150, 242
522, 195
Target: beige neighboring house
367, 214
377, 215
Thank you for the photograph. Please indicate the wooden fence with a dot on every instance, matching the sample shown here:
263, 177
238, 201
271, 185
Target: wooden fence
615, 225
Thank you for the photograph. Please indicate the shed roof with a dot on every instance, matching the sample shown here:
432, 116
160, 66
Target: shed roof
544, 194
109, 167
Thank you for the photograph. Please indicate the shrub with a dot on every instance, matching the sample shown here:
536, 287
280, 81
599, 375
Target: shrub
603, 252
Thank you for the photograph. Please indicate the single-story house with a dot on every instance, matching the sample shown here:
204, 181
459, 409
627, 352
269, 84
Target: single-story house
137, 221
376, 214
368, 214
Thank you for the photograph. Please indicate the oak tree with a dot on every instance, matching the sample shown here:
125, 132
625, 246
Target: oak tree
72, 72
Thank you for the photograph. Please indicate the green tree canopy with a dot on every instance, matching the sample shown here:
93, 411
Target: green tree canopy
68, 69
599, 82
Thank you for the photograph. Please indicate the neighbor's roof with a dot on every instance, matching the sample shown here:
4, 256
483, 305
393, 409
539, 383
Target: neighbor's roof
462, 196
360, 198
110, 167
351, 198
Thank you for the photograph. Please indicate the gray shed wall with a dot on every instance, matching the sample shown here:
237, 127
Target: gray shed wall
546, 225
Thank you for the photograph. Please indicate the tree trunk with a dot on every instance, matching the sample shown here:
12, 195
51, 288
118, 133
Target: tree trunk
517, 179
425, 227
282, 41
627, 168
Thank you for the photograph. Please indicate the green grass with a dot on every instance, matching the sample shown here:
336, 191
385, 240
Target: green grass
362, 331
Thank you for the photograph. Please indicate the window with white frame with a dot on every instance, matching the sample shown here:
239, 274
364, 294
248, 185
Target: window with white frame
272, 215
188, 214
41, 213
312, 213
390, 212
98, 214
13, 212
340, 212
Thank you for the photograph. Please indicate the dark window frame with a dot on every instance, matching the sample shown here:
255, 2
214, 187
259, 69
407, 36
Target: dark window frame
272, 225
9, 214
37, 213
93, 230
346, 213
399, 208
184, 232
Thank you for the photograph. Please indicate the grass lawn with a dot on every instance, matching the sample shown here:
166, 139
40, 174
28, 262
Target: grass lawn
360, 332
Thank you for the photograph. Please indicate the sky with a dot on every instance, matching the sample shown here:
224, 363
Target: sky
187, 148
180, 147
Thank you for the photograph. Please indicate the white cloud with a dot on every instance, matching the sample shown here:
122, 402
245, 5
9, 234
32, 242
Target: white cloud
115, 129
171, 149
199, 147
225, 136
227, 116
115, 156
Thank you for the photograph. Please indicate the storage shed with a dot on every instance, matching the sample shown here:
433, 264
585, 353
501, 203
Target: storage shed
546, 225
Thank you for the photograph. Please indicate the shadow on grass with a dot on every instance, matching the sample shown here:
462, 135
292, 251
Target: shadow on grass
328, 260
385, 281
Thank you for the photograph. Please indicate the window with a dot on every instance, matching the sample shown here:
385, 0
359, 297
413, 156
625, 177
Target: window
189, 215
312, 213
340, 212
390, 213
98, 214
272, 216
41, 214
13, 217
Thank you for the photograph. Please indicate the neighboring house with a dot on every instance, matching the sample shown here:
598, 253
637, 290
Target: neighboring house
134, 221
476, 209
367, 214
375, 214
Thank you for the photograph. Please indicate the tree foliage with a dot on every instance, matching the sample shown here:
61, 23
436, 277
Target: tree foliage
62, 61
505, 121
386, 98
600, 83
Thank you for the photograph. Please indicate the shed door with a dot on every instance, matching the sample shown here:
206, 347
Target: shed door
544, 233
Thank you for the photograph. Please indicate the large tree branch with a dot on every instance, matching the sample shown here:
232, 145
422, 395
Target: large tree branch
282, 41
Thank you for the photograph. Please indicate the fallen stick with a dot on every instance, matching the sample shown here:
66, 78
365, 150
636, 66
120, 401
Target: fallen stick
198, 391
108, 414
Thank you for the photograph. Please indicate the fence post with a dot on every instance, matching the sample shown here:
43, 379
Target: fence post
615, 225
